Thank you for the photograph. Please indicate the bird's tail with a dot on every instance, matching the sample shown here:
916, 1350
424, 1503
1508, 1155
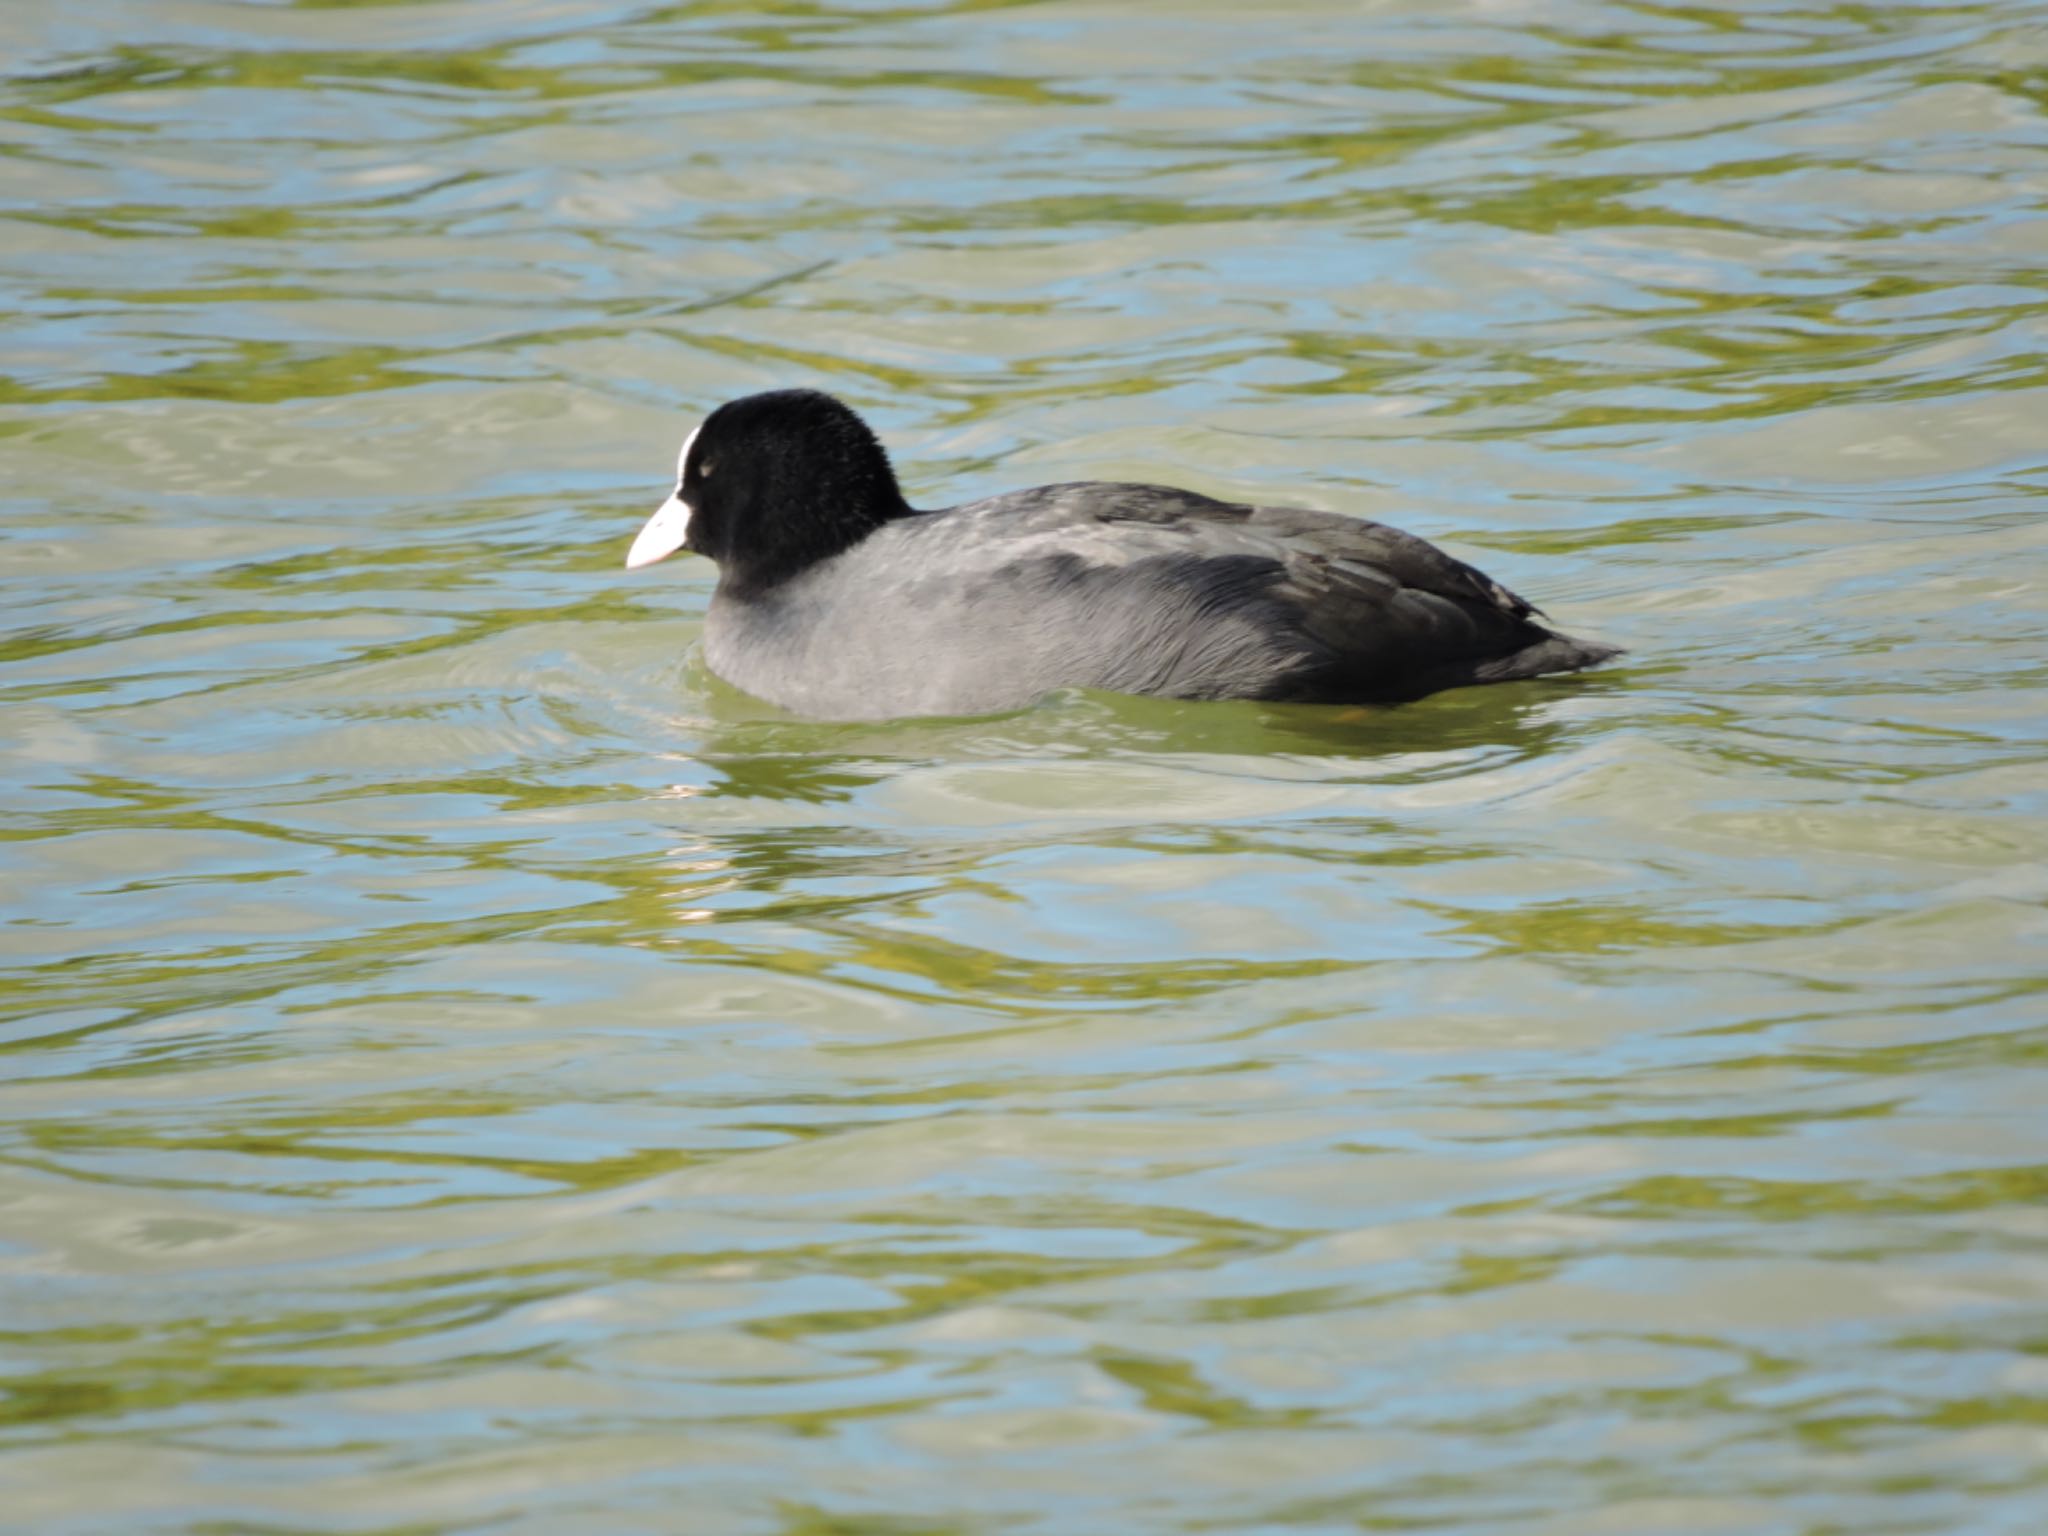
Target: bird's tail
1553, 653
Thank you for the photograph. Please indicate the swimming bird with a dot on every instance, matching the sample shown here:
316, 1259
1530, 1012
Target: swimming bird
838, 600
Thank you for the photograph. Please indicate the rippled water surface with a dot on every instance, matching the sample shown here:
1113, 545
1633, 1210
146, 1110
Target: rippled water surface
462, 1068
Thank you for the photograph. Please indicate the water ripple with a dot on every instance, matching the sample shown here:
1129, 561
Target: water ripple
466, 1067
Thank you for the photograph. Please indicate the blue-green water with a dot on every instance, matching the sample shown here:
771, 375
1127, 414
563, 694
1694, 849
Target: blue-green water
464, 1069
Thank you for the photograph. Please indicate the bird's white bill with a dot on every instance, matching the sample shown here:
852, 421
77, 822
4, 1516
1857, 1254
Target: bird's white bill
663, 535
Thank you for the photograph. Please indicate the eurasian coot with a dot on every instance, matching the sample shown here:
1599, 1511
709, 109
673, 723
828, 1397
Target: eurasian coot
837, 599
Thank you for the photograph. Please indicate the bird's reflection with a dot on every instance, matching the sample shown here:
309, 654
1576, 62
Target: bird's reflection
817, 869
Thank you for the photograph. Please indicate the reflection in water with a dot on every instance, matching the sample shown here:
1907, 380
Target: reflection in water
466, 1067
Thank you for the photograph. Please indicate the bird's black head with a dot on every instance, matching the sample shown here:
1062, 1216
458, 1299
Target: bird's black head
770, 484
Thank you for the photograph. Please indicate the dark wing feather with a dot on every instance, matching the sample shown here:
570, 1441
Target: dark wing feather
1379, 613
1282, 602
1416, 564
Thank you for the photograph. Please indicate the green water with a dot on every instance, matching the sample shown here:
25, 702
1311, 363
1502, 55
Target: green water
464, 1069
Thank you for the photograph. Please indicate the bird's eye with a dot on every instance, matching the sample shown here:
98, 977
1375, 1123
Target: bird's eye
704, 471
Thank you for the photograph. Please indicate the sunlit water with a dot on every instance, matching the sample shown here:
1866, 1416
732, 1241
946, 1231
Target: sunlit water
468, 1070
